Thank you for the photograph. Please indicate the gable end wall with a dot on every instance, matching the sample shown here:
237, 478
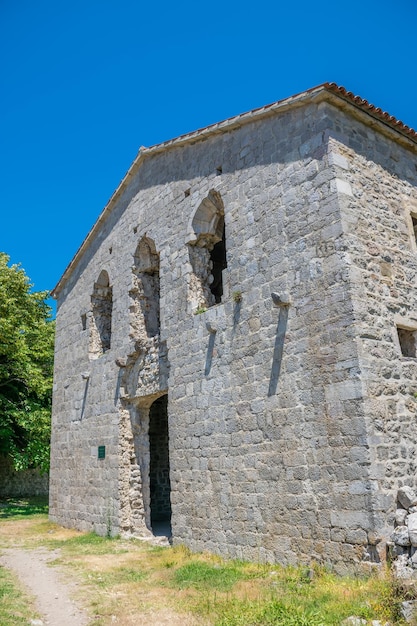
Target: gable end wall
272, 447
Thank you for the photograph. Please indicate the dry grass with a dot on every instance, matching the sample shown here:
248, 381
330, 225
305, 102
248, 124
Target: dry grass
130, 582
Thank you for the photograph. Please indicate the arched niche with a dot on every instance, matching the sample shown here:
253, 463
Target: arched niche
145, 315
101, 316
207, 252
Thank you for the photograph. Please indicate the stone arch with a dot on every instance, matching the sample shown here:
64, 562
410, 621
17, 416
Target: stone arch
207, 252
101, 316
145, 316
208, 219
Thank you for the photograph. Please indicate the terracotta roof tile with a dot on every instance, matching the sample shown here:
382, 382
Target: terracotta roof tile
372, 109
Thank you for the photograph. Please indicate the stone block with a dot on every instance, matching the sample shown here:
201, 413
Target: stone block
341, 186
400, 536
409, 610
350, 519
339, 160
407, 497
400, 515
412, 528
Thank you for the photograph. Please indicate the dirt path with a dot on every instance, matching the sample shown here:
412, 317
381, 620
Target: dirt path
53, 595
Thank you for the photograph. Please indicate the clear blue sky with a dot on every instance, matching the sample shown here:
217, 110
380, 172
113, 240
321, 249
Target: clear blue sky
85, 83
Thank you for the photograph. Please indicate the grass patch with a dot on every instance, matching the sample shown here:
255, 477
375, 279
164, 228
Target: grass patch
15, 606
118, 576
120, 579
265, 613
265, 595
204, 576
85, 543
23, 507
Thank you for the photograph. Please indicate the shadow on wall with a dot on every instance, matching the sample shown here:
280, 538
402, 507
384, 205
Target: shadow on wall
278, 350
86, 377
210, 350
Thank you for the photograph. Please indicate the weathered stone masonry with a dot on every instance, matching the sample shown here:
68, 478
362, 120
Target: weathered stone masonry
236, 336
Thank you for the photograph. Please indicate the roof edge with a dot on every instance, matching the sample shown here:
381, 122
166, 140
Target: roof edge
310, 95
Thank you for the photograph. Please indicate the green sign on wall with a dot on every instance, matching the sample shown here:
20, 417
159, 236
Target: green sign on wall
101, 454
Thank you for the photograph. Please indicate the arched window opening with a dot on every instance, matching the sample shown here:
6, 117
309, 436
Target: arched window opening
101, 309
207, 252
145, 291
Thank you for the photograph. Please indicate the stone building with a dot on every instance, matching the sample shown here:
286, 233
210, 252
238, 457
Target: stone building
236, 339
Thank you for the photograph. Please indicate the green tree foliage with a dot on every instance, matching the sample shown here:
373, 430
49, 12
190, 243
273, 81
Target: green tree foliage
26, 362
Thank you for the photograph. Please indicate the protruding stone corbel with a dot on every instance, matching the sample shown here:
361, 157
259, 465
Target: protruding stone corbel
212, 329
85, 375
282, 299
121, 362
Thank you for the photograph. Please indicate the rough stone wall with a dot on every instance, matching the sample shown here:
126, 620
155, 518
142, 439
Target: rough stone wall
200, 294
264, 455
271, 432
25, 483
378, 183
83, 487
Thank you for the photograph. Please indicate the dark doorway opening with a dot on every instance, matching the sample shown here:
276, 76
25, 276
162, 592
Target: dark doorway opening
159, 482
219, 262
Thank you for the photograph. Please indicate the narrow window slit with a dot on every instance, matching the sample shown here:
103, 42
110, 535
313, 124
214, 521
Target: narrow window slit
414, 222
